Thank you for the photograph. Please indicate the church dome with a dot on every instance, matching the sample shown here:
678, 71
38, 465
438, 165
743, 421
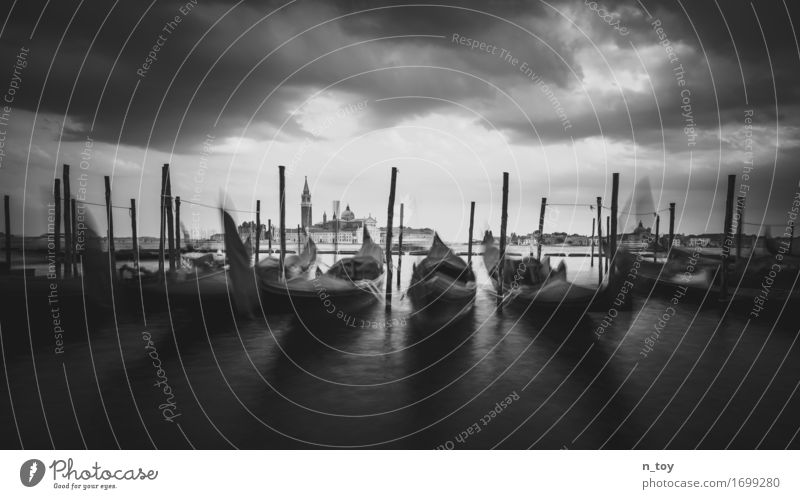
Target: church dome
347, 215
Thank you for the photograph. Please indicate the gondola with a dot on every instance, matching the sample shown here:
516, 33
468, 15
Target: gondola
347, 286
534, 286
442, 283
184, 287
664, 277
199, 276
697, 279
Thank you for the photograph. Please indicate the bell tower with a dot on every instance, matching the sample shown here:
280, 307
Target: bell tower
305, 207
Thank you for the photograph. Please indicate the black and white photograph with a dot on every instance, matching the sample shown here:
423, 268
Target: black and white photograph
459, 225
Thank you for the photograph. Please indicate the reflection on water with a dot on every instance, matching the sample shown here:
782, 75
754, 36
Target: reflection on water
401, 379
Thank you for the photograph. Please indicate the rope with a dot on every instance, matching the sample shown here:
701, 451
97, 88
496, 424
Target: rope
592, 207
103, 205
198, 204
638, 214
212, 207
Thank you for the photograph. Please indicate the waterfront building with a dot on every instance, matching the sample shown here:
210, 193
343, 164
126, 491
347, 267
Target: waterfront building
413, 239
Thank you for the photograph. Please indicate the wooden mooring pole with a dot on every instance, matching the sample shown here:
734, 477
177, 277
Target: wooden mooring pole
614, 208
671, 226
389, 221
541, 229
134, 236
599, 237
67, 224
269, 236
7, 216
258, 230
162, 223
74, 236
471, 228
282, 216
57, 228
739, 224
503, 230
603, 250
400, 244
657, 244
112, 254
726, 239
591, 250
178, 231
170, 223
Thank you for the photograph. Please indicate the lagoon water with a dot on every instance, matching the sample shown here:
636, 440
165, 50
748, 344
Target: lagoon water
198, 375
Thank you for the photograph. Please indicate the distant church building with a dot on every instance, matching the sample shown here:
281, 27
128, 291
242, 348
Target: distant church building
638, 240
305, 207
347, 229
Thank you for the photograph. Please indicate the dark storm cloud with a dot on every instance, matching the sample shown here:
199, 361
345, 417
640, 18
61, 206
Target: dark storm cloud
104, 86
187, 89
743, 54
235, 85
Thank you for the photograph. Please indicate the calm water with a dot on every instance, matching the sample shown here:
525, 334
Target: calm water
401, 380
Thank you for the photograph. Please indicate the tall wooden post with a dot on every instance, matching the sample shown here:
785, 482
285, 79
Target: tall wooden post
299, 242
541, 229
471, 228
655, 248
503, 230
389, 221
74, 224
614, 208
170, 223
112, 254
400, 243
258, 229
178, 231
726, 240
604, 250
599, 237
739, 224
591, 250
282, 217
7, 215
671, 225
57, 228
67, 225
134, 236
269, 236
162, 215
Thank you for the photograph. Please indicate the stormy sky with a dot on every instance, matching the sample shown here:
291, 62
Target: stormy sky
674, 95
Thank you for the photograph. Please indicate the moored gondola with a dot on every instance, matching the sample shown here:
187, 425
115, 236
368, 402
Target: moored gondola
348, 285
693, 277
532, 285
442, 283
